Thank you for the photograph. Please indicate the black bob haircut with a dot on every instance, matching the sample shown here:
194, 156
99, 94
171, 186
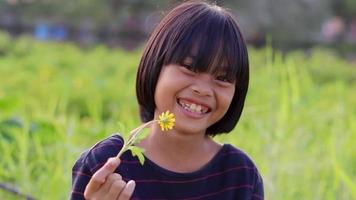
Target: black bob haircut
217, 40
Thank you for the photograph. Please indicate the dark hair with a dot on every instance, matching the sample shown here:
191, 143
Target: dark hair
215, 35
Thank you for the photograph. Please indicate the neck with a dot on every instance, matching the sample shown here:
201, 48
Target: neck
190, 151
180, 143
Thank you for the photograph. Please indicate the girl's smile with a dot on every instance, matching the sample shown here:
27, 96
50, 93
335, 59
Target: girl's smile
194, 107
198, 99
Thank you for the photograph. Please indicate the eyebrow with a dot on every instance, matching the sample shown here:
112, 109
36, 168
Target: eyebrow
218, 69
189, 59
192, 57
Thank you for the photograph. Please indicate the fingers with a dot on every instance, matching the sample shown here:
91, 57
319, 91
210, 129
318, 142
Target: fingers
127, 191
115, 189
100, 176
111, 179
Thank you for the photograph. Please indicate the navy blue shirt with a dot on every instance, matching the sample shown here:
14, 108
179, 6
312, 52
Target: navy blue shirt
229, 175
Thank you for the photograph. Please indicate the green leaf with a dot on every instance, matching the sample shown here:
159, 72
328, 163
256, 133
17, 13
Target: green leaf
137, 151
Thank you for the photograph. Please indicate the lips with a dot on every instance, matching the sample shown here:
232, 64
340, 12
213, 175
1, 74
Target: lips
193, 106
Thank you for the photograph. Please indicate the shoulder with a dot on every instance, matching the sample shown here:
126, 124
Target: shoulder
237, 159
237, 156
98, 154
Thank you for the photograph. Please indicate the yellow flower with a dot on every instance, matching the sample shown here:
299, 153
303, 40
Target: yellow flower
166, 121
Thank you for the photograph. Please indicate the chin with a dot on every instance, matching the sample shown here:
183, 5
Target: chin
190, 130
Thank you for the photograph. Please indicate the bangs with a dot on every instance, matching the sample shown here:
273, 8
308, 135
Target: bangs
211, 44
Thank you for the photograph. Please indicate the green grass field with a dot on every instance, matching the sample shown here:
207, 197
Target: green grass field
298, 125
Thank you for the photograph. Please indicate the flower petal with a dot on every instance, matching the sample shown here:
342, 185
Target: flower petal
166, 121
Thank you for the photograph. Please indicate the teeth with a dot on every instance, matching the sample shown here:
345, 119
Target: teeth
192, 107
198, 108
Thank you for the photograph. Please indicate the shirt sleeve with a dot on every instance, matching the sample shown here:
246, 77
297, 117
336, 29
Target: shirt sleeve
258, 191
81, 175
90, 161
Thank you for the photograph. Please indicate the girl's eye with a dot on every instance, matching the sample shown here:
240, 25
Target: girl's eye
224, 80
188, 69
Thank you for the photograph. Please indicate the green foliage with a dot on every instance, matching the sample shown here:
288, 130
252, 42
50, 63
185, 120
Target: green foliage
57, 100
137, 151
75, 12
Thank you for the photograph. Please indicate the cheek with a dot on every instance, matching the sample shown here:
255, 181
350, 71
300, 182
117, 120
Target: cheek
160, 93
165, 90
226, 99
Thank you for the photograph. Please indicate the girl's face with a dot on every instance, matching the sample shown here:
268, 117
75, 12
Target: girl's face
198, 99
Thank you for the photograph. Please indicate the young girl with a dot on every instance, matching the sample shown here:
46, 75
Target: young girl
195, 65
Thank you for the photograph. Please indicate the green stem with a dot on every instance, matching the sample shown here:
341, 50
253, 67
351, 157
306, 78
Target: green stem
132, 137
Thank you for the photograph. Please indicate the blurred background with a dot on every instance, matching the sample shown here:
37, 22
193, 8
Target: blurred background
67, 80
127, 23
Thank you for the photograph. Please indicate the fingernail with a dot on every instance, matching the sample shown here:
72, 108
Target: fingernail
115, 161
131, 182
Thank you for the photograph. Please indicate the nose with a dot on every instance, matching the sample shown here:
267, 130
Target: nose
202, 85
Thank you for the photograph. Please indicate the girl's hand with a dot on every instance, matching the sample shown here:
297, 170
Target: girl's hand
107, 185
